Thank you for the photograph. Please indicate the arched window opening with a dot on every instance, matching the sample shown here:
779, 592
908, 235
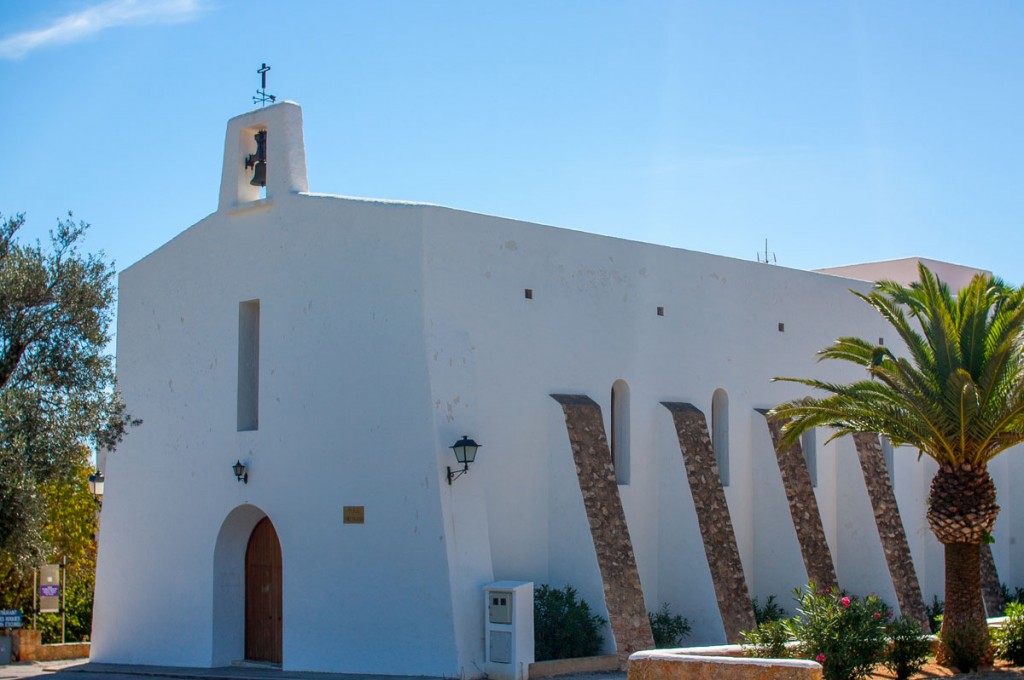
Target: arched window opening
620, 431
809, 443
720, 433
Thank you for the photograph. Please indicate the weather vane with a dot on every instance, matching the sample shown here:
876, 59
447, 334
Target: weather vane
261, 96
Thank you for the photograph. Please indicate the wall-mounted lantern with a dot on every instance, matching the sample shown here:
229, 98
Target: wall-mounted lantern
96, 485
465, 453
239, 469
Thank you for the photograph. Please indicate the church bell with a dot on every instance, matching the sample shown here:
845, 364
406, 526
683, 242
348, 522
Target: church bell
258, 161
259, 175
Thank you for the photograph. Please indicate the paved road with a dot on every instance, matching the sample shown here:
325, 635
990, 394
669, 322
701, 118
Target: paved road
30, 669
81, 669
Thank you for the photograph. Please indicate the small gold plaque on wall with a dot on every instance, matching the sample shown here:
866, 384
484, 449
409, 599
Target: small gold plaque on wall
354, 514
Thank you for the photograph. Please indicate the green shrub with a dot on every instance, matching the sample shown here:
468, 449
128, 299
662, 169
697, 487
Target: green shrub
1009, 640
965, 648
845, 635
1017, 595
934, 612
771, 611
563, 625
668, 630
908, 648
767, 641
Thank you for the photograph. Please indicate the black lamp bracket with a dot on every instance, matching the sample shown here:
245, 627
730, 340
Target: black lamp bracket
457, 473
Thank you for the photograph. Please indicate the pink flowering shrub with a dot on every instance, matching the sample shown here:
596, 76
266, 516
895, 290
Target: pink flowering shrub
845, 635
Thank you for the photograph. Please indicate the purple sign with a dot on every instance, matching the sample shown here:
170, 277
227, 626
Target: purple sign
49, 590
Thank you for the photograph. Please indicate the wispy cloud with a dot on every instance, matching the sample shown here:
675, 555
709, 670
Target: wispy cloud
88, 22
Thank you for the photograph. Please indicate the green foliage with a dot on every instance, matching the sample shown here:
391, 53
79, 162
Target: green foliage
955, 396
79, 583
846, 635
1017, 595
15, 586
768, 640
56, 384
908, 648
934, 612
668, 630
1009, 639
952, 387
563, 625
771, 611
70, 528
964, 647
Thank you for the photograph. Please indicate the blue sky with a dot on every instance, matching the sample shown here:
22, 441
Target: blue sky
840, 131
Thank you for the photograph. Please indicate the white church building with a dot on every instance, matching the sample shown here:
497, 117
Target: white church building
337, 348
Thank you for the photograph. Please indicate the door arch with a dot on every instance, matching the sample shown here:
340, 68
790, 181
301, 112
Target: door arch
263, 604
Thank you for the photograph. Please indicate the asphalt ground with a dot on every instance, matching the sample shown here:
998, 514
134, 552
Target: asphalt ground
82, 669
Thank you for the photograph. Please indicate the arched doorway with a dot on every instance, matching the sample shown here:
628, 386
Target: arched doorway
263, 594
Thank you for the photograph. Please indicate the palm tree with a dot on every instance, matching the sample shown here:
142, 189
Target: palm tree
957, 397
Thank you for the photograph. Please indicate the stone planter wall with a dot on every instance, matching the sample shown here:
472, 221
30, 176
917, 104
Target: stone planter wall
27, 645
24, 644
585, 664
662, 665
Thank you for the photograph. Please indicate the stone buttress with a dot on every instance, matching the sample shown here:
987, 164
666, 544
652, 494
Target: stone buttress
803, 508
890, 527
713, 517
623, 593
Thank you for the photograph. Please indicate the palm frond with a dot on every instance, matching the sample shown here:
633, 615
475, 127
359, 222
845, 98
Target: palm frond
957, 395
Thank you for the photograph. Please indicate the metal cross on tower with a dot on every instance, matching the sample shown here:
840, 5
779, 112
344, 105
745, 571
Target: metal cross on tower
261, 96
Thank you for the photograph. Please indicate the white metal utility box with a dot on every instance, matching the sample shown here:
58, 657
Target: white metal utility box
508, 616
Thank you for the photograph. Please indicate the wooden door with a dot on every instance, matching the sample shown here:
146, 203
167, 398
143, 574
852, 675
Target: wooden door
263, 594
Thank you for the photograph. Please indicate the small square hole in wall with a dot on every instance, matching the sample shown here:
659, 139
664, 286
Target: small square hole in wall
782, 327
661, 311
881, 341
529, 293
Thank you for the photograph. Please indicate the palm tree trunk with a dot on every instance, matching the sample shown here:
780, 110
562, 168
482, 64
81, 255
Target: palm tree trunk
962, 510
964, 632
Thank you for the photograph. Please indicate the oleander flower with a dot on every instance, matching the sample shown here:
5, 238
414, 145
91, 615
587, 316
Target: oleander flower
820, 658
845, 601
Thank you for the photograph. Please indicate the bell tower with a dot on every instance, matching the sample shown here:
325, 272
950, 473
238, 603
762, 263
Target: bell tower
264, 157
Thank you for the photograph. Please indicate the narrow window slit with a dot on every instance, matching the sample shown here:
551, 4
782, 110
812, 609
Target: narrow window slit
248, 365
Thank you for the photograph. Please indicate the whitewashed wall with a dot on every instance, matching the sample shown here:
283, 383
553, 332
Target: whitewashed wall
388, 331
345, 419
592, 321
